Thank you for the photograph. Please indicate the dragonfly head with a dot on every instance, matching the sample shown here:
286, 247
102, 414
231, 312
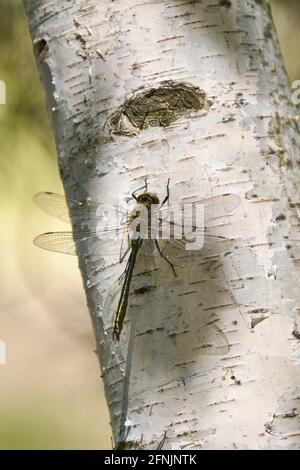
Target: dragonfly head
147, 199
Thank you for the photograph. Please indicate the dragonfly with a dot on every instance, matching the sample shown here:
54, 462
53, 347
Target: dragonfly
150, 227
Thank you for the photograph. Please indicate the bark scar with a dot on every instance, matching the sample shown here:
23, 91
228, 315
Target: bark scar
156, 107
40, 47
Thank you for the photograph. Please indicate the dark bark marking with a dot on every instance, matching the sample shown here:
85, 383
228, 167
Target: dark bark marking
40, 47
156, 107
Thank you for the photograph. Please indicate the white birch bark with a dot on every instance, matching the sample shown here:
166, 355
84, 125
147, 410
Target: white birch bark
92, 56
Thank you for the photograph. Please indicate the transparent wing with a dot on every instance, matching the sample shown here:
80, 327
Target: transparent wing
214, 207
60, 242
173, 248
55, 205
65, 242
219, 206
148, 248
173, 221
157, 247
125, 245
186, 226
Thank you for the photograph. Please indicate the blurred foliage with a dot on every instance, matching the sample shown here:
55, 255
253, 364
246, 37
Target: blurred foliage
65, 407
31, 425
24, 126
18, 69
56, 418
286, 14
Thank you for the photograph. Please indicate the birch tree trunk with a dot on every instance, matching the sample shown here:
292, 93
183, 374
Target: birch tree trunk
225, 125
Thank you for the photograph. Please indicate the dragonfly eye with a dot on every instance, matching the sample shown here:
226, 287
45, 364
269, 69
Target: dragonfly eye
154, 200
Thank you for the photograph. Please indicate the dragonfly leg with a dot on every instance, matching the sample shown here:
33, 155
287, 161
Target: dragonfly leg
139, 189
168, 194
161, 443
122, 257
125, 270
164, 257
116, 331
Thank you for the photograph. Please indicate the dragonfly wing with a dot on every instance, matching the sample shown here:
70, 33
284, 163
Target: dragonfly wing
125, 245
219, 206
189, 227
66, 242
53, 204
156, 247
183, 235
148, 248
184, 213
171, 248
60, 242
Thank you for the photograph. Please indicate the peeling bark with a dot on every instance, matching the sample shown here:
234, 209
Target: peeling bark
94, 57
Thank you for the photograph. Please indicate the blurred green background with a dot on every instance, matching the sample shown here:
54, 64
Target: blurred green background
51, 395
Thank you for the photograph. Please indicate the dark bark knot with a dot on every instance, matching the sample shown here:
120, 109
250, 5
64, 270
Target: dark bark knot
225, 3
156, 107
40, 48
